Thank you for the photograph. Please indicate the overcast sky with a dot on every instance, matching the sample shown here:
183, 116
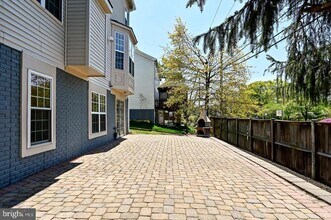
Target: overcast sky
153, 19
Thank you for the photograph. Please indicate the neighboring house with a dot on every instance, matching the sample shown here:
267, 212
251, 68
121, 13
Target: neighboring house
64, 80
165, 115
142, 103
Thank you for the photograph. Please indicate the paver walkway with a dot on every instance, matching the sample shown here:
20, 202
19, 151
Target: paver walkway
162, 177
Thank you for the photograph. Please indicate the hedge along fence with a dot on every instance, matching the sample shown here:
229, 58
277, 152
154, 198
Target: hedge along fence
304, 147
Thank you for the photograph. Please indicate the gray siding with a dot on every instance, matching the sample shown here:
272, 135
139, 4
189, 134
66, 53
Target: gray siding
142, 114
97, 36
108, 57
104, 81
76, 32
119, 11
25, 25
100, 47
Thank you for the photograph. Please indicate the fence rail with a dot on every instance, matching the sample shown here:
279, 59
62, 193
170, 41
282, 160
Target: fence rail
304, 147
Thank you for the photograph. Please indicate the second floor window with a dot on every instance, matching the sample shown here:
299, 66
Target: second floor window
119, 51
53, 6
131, 58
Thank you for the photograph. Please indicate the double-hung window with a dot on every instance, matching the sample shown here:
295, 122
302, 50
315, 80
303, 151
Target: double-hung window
98, 113
40, 108
53, 6
131, 58
119, 51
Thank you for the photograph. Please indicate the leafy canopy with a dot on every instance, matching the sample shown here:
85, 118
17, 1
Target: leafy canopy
308, 36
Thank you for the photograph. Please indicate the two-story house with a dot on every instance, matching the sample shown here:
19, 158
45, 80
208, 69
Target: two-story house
166, 115
142, 103
66, 70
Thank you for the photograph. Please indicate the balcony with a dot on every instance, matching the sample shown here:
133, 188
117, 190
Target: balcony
123, 83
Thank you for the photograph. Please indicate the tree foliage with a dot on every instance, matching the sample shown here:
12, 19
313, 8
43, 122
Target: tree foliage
199, 80
308, 34
265, 94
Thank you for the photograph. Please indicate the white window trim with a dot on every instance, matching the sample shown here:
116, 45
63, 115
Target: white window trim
117, 32
30, 72
30, 63
99, 112
101, 91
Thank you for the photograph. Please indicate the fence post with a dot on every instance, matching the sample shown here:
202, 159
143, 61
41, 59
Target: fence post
237, 131
250, 135
272, 139
313, 151
227, 127
220, 128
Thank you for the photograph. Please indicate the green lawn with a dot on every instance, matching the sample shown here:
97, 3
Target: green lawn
149, 128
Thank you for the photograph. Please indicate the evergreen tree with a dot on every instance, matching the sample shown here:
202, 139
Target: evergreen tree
308, 35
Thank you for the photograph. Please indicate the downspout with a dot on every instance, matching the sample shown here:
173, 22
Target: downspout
66, 34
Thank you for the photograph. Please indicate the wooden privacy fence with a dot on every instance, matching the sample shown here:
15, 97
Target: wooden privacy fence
304, 147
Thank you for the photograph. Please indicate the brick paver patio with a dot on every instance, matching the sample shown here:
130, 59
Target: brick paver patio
162, 177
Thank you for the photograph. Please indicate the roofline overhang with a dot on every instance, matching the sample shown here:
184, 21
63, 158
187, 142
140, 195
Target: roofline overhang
147, 56
131, 5
128, 28
106, 6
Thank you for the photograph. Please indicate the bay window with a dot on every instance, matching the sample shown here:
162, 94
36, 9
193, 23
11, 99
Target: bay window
119, 51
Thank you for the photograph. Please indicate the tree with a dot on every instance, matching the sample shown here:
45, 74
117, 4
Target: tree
231, 98
263, 92
308, 65
266, 95
198, 79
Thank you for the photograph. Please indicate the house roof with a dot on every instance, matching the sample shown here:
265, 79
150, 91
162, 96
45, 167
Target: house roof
128, 28
145, 55
131, 5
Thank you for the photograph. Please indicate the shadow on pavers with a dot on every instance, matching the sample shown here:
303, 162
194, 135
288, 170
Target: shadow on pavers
20, 191
106, 147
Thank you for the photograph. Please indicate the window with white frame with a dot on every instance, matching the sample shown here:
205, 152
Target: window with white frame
119, 51
53, 6
131, 58
126, 17
98, 113
40, 108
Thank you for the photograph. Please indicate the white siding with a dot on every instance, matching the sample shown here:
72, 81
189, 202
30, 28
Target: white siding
98, 43
26, 26
144, 80
76, 32
97, 36
119, 11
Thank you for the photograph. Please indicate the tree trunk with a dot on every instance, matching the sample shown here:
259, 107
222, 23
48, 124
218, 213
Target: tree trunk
207, 96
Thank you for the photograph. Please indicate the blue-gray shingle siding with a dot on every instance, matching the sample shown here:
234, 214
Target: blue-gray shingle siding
71, 121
